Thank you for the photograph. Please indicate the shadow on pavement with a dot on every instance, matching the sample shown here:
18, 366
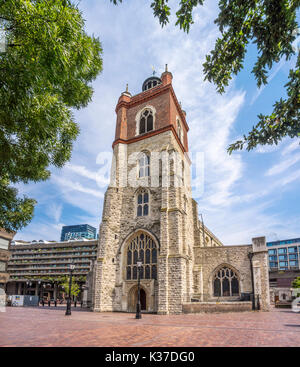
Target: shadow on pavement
292, 325
61, 308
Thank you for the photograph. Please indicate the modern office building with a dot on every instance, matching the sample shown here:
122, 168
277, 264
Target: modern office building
284, 267
78, 231
38, 267
284, 255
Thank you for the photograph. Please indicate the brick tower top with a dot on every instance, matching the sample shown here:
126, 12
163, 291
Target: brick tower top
151, 112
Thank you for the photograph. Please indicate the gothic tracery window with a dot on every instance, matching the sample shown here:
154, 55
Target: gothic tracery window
141, 247
146, 121
225, 283
142, 203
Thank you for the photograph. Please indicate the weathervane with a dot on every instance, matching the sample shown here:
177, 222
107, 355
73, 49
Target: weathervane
153, 70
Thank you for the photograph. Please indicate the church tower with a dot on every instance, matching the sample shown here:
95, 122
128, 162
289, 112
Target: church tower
148, 210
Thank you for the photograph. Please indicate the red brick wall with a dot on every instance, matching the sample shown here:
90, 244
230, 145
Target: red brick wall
162, 105
163, 99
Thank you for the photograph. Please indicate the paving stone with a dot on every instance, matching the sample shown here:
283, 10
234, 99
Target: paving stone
50, 327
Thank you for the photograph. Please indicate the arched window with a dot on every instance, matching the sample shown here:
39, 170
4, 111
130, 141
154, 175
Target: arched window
225, 283
144, 165
142, 203
146, 121
141, 247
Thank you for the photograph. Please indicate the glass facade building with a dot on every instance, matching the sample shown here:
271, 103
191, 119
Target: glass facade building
78, 231
284, 255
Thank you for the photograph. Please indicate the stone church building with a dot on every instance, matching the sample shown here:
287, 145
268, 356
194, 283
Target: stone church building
149, 215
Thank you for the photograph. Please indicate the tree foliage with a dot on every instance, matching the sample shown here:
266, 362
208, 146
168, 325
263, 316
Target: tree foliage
75, 289
272, 26
45, 71
296, 283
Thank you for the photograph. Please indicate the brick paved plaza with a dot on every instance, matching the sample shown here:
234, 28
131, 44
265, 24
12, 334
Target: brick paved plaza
50, 327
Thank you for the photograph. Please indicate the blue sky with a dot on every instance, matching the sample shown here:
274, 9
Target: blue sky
245, 195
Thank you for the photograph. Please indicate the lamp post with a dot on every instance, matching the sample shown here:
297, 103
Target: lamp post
138, 305
40, 290
250, 256
68, 310
28, 284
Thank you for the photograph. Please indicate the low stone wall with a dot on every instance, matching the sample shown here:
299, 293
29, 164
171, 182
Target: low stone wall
198, 307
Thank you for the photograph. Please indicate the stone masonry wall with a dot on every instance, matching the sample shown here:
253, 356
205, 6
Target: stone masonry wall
119, 221
210, 258
207, 260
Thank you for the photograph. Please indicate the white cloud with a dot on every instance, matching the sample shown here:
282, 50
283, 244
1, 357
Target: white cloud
54, 211
267, 148
291, 147
76, 186
41, 230
283, 166
292, 177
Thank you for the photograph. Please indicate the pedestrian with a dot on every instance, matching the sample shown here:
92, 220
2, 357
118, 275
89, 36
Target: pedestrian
55, 302
43, 302
49, 303
75, 302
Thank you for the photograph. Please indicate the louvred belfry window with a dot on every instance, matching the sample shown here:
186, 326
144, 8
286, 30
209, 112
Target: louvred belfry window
141, 247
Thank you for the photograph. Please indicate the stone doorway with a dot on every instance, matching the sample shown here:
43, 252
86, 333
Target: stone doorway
143, 299
133, 297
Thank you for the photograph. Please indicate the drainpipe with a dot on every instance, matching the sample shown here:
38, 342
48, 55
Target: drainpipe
250, 255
